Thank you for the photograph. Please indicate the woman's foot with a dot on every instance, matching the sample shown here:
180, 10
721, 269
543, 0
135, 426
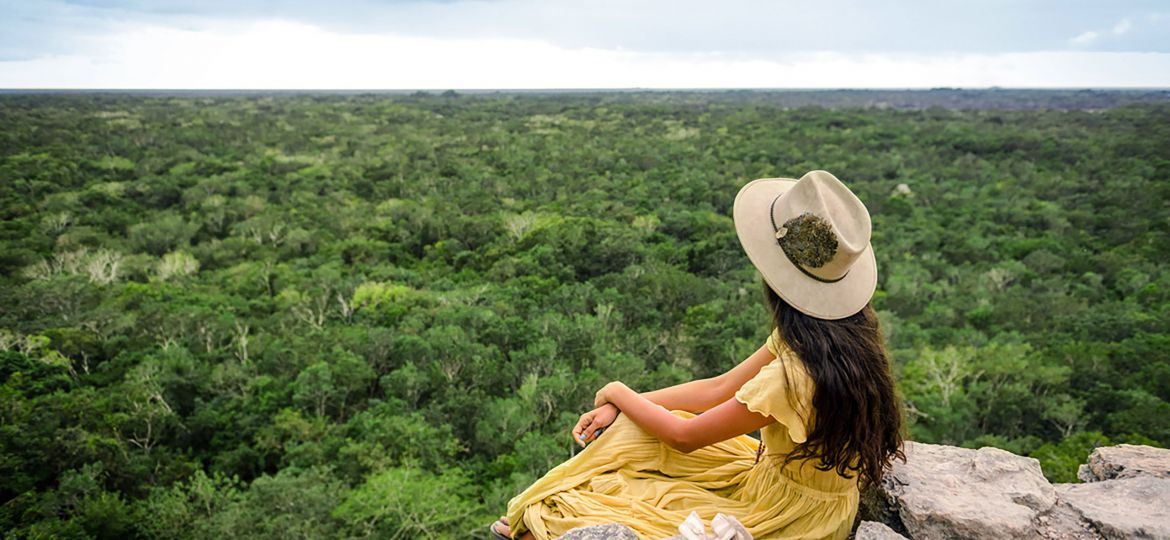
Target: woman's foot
500, 527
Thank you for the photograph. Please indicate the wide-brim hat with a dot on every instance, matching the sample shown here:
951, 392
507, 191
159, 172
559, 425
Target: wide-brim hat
809, 239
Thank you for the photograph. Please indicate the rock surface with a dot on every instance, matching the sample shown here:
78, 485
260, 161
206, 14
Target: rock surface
949, 492
1125, 461
872, 530
609, 531
1136, 507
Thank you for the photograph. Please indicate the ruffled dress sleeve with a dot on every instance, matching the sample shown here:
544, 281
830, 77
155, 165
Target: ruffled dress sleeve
782, 389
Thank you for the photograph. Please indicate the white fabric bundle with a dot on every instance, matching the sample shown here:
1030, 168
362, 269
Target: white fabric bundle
725, 528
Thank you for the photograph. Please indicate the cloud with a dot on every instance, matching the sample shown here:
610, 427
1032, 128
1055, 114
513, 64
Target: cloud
1084, 38
735, 27
291, 54
1149, 32
565, 43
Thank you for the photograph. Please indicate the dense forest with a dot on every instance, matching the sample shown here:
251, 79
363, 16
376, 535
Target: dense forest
306, 316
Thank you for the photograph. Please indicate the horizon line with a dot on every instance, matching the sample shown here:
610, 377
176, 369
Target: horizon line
32, 90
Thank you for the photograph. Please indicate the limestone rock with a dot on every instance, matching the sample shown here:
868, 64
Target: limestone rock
1063, 522
1125, 461
949, 492
609, 531
872, 530
1137, 507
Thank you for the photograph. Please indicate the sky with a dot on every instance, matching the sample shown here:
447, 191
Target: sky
542, 44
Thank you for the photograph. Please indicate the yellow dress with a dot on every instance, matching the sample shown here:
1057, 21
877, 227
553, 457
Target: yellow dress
630, 477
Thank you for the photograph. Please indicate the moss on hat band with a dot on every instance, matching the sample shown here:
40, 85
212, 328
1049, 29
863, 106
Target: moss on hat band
807, 240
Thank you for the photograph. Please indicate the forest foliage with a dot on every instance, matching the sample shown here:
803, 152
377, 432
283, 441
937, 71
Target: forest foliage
354, 316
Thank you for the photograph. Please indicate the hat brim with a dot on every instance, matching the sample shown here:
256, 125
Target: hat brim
753, 226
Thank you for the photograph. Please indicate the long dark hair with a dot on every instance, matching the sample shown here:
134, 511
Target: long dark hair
858, 424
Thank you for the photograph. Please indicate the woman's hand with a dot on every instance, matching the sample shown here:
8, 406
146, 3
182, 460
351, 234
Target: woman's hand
605, 395
592, 421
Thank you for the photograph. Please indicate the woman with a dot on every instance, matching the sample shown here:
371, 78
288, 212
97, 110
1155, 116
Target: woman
819, 390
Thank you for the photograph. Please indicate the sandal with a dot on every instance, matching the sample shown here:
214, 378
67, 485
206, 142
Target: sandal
496, 534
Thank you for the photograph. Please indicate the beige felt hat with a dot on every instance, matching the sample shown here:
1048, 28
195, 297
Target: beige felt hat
809, 238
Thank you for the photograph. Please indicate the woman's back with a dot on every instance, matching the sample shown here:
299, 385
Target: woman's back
783, 390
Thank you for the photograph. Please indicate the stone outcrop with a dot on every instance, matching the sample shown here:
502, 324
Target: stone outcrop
872, 530
948, 492
1125, 461
1135, 507
609, 531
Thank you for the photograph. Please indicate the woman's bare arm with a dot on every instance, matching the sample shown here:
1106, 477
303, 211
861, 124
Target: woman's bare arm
697, 395
729, 419
703, 394
694, 396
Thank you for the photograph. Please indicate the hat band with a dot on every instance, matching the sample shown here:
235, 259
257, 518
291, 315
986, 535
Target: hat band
775, 229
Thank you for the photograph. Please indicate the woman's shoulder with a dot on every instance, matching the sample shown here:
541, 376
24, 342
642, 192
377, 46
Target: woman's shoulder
784, 376
786, 358
782, 389
774, 342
